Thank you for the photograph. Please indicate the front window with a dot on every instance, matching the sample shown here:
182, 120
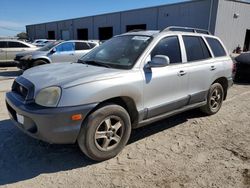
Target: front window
66, 47
119, 52
49, 46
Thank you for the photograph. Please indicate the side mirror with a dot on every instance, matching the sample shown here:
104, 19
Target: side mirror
158, 61
53, 51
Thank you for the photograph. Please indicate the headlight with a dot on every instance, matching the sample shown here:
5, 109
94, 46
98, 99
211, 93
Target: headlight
27, 57
49, 96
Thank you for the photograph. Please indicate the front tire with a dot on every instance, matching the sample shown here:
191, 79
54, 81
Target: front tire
105, 132
214, 99
39, 62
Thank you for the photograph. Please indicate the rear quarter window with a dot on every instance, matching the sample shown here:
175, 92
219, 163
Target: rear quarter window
216, 47
17, 45
82, 46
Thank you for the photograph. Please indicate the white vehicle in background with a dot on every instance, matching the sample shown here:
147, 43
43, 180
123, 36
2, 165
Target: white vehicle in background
9, 48
55, 52
41, 42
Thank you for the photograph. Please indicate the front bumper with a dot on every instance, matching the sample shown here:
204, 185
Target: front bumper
52, 125
23, 64
230, 82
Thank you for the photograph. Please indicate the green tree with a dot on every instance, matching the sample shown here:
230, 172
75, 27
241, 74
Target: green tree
22, 35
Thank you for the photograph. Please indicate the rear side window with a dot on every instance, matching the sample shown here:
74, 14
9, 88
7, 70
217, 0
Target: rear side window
196, 48
216, 47
170, 47
82, 46
17, 45
3, 44
92, 45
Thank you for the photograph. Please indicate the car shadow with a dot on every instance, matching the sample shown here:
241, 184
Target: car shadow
23, 158
243, 81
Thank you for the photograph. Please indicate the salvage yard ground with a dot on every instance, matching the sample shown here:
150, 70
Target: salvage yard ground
187, 150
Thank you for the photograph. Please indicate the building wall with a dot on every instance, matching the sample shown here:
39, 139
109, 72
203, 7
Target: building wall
230, 29
84, 23
107, 20
52, 26
194, 14
146, 16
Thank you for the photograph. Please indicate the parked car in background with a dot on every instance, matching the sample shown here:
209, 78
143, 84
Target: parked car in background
9, 48
42, 42
55, 52
243, 67
129, 81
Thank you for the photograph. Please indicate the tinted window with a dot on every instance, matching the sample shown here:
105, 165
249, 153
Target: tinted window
82, 46
16, 45
3, 44
92, 45
216, 47
169, 47
65, 47
196, 48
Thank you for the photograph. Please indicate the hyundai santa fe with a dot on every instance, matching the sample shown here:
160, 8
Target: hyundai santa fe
129, 81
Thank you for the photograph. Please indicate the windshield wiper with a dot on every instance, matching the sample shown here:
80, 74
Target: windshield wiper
94, 63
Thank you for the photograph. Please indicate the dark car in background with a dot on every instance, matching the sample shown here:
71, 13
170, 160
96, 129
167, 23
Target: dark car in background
243, 67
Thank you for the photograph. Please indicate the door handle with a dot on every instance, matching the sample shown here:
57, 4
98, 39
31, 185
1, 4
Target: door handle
181, 73
212, 68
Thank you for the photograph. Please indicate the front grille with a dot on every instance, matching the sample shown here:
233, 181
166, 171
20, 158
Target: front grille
20, 90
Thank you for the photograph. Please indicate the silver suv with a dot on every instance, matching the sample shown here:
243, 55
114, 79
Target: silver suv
129, 81
55, 52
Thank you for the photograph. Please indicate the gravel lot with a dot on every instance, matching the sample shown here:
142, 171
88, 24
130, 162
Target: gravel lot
187, 150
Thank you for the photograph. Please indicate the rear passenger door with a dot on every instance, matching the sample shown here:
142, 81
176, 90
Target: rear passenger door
199, 64
165, 88
15, 47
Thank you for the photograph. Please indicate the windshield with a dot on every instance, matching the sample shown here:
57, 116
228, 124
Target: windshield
49, 46
119, 52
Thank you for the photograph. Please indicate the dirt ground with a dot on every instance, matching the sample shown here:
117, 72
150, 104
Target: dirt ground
187, 150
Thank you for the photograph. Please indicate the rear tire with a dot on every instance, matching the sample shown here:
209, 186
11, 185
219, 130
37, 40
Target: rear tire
105, 132
214, 99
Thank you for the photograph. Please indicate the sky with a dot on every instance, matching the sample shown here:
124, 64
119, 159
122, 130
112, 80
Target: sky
15, 14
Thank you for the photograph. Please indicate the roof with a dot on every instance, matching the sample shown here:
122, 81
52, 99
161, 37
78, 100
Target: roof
146, 33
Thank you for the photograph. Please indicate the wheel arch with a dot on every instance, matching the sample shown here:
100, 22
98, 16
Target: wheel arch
126, 102
224, 83
42, 59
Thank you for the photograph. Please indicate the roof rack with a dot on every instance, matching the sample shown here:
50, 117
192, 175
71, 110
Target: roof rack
187, 29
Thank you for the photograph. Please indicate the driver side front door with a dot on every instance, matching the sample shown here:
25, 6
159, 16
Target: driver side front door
65, 52
166, 88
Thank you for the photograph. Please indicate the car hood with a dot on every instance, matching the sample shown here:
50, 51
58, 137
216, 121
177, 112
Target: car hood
243, 58
67, 74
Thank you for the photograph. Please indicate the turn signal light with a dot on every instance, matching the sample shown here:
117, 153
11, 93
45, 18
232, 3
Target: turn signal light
76, 117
